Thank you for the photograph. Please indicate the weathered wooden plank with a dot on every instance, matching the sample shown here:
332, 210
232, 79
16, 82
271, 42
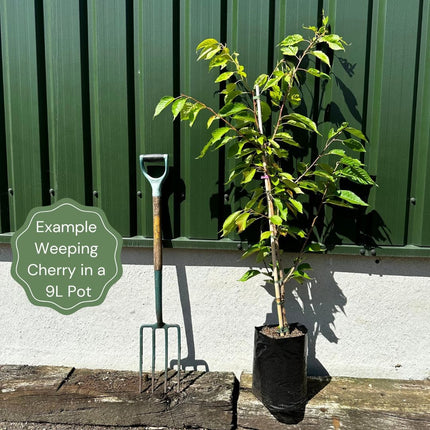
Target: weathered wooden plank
346, 403
63, 398
47, 426
111, 398
21, 379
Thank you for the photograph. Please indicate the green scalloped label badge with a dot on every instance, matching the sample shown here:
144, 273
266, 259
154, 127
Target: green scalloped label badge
66, 256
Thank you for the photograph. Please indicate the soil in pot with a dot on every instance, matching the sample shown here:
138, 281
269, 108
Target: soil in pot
280, 371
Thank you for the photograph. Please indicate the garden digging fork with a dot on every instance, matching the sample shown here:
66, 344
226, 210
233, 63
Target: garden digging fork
157, 245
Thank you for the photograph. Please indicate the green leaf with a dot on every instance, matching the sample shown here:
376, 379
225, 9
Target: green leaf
354, 144
357, 174
162, 104
334, 41
341, 128
205, 149
280, 153
309, 185
229, 224
293, 118
186, 111
208, 48
293, 39
288, 181
271, 82
231, 109
193, 112
218, 133
296, 231
304, 266
356, 133
283, 212
290, 51
226, 140
265, 235
275, 219
301, 276
315, 247
231, 92
232, 149
338, 152
261, 80
207, 43
248, 175
297, 124
297, 205
211, 120
249, 274
224, 76
327, 167
265, 111
325, 20
251, 250
331, 134
245, 117
350, 161
317, 73
340, 203
350, 197
313, 28
278, 204
294, 97
241, 71
240, 221
255, 197
275, 95
220, 61
323, 174
322, 56
177, 106
231, 96
208, 53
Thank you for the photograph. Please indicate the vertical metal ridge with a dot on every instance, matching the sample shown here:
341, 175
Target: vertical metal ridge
64, 102
21, 108
418, 230
222, 153
86, 102
42, 101
94, 105
131, 102
176, 78
367, 65
185, 132
376, 59
271, 39
140, 95
413, 122
4, 194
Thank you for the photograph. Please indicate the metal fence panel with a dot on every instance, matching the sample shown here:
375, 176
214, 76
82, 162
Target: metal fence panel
81, 78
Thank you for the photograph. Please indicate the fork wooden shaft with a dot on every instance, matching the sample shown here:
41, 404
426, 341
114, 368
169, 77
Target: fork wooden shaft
158, 260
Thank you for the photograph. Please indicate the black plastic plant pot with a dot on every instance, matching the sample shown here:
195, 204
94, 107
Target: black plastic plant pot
279, 378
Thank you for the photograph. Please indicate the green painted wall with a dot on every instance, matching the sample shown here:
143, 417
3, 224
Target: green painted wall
81, 78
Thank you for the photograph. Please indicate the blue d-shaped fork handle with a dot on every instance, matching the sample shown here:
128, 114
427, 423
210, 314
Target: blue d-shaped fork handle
155, 182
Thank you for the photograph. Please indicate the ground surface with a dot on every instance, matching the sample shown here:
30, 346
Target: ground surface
61, 398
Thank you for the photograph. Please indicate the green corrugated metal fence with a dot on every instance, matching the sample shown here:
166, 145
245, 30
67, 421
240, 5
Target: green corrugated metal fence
81, 78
